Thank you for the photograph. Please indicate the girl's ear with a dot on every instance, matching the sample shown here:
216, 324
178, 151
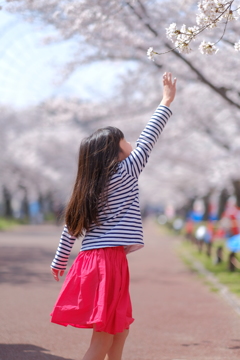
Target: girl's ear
120, 154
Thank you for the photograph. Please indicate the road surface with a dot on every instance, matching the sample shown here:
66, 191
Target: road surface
177, 317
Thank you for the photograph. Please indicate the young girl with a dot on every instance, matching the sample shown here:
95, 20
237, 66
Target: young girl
104, 207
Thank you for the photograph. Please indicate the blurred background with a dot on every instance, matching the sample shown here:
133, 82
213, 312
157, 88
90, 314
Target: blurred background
69, 67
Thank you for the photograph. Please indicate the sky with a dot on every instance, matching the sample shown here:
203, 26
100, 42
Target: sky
29, 69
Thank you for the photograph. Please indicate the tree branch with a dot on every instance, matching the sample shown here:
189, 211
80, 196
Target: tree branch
219, 90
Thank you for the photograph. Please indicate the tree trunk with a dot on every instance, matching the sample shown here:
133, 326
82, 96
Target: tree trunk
231, 264
223, 198
7, 199
209, 249
188, 207
219, 255
200, 245
206, 200
41, 202
25, 205
236, 185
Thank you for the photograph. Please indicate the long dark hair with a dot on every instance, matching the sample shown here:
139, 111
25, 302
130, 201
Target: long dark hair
98, 160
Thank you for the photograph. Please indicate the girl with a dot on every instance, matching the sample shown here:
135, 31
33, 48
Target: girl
105, 207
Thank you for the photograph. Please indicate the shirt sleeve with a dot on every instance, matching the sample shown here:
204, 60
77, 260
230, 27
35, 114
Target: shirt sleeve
138, 158
63, 251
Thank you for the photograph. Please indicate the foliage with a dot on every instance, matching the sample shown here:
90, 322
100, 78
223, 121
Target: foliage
199, 149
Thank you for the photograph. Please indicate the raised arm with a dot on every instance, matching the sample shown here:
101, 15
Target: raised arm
138, 158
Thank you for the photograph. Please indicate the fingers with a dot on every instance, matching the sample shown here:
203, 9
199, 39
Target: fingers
167, 79
55, 274
164, 78
170, 77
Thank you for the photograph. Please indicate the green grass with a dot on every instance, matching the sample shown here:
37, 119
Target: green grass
49, 217
8, 223
186, 247
230, 279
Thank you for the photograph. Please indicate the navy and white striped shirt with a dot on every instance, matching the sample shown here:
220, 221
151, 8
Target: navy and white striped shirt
121, 223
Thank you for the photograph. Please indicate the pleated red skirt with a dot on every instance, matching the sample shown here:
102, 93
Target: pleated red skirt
95, 292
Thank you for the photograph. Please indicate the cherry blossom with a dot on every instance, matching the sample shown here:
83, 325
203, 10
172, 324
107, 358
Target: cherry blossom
150, 53
207, 48
199, 149
237, 46
172, 32
183, 47
210, 14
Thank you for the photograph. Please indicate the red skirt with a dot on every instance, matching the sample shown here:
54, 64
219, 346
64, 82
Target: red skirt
95, 292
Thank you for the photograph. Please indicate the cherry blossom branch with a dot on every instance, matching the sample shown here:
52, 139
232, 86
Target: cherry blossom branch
206, 19
201, 77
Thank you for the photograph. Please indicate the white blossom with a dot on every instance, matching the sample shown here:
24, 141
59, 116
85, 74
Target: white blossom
193, 31
172, 32
183, 35
229, 15
201, 20
183, 47
237, 46
150, 53
210, 12
207, 48
187, 34
116, 33
183, 29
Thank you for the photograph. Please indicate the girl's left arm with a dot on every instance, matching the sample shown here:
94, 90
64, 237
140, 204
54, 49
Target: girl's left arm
59, 263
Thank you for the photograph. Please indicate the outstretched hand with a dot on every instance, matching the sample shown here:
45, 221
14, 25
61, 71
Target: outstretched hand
169, 89
56, 273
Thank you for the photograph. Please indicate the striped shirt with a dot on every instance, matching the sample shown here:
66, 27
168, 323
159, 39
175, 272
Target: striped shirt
120, 219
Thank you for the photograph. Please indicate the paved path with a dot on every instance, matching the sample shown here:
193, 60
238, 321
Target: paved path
177, 317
